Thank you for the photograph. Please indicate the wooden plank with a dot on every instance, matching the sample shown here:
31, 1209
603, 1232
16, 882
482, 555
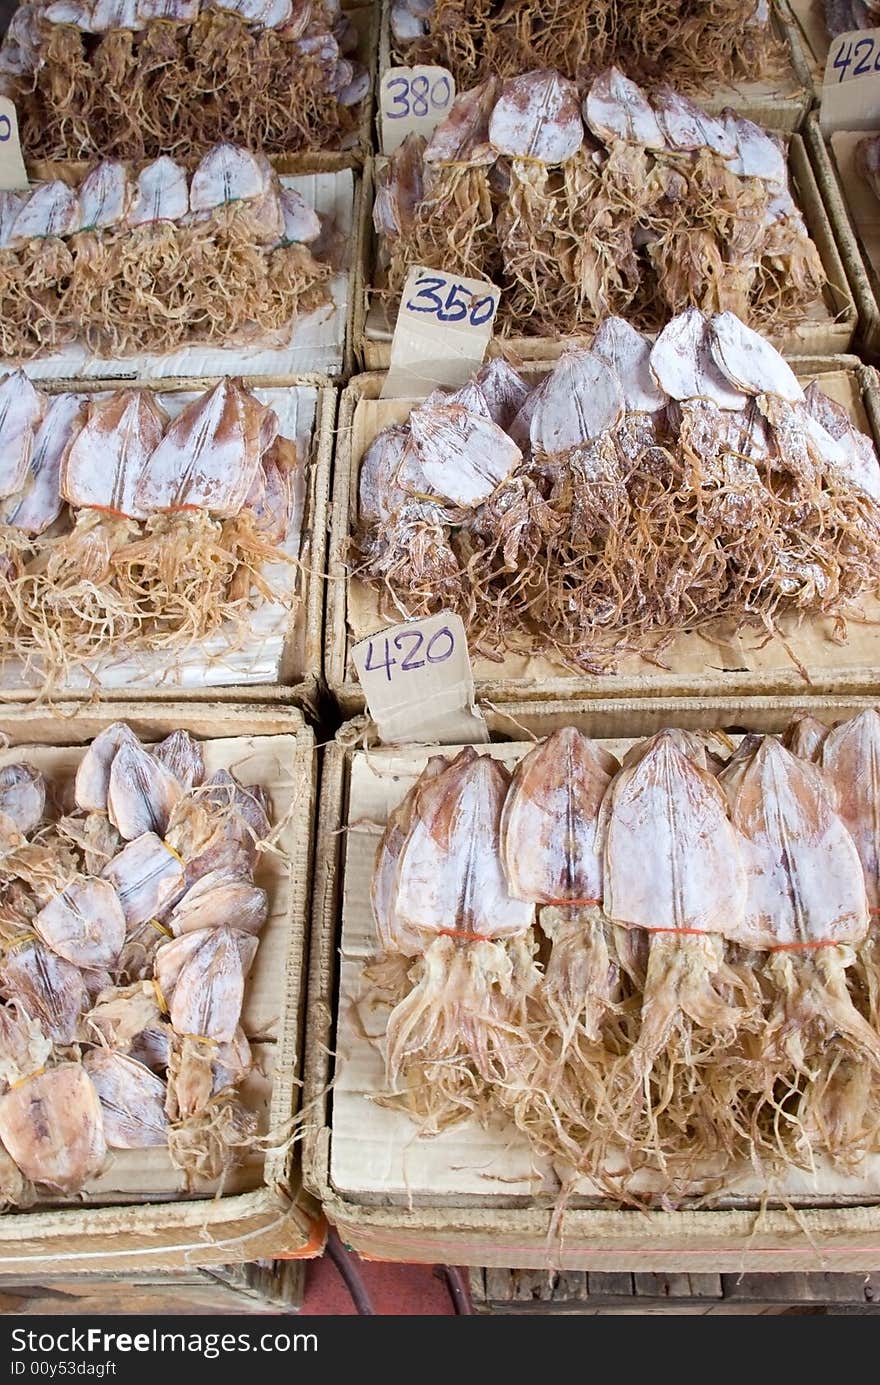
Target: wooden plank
532, 1286
499, 1285
477, 1288
800, 1288
572, 1286
705, 1285
603, 1285
573, 1291
666, 1286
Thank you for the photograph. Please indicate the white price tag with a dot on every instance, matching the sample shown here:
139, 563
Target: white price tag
851, 85
444, 325
13, 174
418, 682
413, 100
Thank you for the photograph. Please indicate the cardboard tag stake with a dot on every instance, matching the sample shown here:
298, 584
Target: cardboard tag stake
413, 100
443, 327
418, 682
851, 85
13, 174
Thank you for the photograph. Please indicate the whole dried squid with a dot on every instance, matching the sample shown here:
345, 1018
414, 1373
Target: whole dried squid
806, 910
440, 888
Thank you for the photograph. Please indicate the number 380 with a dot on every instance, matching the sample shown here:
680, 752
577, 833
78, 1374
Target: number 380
418, 96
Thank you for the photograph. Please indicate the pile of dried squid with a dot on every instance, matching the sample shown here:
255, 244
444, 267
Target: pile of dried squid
139, 78
638, 491
123, 531
129, 921
655, 206
663, 969
154, 259
696, 44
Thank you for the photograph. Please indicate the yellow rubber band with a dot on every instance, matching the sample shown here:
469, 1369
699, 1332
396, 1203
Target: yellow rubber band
160, 999
21, 1081
22, 940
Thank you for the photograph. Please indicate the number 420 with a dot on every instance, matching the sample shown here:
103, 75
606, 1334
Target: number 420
862, 51
438, 649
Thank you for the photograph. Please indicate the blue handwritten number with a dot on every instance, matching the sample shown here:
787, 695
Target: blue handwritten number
440, 93
410, 661
413, 98
5, 128
399, 98
439, 649
432, 656
455, 307
426, 287
481, 310
864, 64
843, 62
419, 88
387, 663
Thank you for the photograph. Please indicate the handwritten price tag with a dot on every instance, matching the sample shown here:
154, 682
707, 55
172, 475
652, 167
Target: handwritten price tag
418, 682
413, 100
13, 173
444, 325
851, 85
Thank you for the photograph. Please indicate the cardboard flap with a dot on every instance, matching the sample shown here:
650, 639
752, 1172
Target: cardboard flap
418, 682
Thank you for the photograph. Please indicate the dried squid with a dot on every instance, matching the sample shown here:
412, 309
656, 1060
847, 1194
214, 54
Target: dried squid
133, 80
551, 854
660, 488
807, 910
696, 46
462, 1024
169, 259
52, 1126
138, 531
705, 1004
653, 207
673, 870
435, 199
123, 962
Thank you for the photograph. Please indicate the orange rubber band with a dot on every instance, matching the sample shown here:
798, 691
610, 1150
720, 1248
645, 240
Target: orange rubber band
462, 933
801, 947
571, 903
681, 932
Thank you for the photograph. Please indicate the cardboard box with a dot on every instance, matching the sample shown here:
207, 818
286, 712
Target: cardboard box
472, 1196
321, 343
285, 654
694, 664
827, 328
138, 1214
854, 212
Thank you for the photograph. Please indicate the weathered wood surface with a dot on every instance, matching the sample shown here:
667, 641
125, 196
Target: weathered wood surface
271, 1286
573, 1291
